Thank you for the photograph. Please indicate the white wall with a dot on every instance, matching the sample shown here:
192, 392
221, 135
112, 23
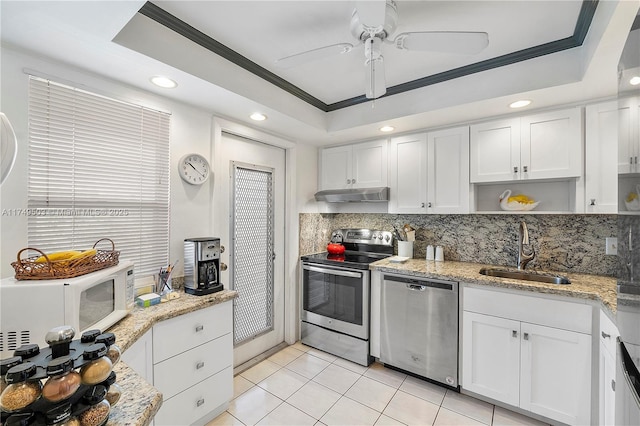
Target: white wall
190, 132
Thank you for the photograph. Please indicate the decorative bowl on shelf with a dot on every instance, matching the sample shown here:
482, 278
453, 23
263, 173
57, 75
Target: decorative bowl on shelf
518, 202
632, 202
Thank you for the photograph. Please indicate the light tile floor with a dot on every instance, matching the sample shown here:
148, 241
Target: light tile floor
300, 385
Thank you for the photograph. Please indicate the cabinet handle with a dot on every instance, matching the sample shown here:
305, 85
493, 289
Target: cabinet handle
223, 266
199, 402
199, 365
353, 181
221, 249
525, 168
429, 204
515, 169
526, 336
422, 205
605, 335
635, 159
348, 181
593, 202
514, 333
199, 328
631, 160
613, 385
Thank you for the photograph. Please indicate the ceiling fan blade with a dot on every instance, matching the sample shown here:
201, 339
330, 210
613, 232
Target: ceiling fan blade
313, 55
459, 42
371, 13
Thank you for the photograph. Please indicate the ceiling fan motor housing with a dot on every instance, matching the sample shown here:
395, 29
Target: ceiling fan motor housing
363, 31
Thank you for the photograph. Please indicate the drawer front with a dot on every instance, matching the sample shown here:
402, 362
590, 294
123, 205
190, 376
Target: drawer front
536, 310
608, 333
197, 401
178, 373
182, 333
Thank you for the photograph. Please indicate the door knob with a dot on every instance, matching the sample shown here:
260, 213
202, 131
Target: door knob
223, 266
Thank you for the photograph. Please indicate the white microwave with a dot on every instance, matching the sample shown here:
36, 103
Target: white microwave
30, 308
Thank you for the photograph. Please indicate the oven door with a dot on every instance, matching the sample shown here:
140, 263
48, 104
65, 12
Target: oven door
336, 298
628, 385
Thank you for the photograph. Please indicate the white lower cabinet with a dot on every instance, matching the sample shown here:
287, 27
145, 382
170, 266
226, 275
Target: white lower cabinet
193, 365
607, 360
189, 359
541, 368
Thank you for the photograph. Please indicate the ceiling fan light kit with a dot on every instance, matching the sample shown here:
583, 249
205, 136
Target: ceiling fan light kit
374, 22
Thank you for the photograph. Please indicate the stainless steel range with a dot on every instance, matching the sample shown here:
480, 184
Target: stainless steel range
336, 293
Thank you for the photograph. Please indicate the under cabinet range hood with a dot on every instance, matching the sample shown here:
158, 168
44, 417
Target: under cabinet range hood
353, 195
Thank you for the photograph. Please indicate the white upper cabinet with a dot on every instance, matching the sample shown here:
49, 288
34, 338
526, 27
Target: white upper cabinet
541, 146
628, 135
429, 172
362, 165
601, 158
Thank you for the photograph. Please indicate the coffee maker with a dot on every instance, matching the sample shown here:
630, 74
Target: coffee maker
202, 266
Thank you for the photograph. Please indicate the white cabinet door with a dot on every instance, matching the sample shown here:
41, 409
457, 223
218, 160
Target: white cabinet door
551, 145
139, 356
495, 151
601, 158
555, 377
448, 171
335, 167
607, 394
408, 174
491, 357
369, 167
628, 135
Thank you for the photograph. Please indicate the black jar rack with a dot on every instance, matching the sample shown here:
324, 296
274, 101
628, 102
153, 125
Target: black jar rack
40, 407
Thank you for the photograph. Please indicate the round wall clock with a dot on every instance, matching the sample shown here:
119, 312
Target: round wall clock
194, 169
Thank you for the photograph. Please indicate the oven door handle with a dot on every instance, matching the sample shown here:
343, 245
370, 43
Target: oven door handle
333, 271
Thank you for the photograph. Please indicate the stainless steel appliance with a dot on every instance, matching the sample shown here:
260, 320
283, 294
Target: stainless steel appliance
627, 384
336, 293
202, 266
419, 327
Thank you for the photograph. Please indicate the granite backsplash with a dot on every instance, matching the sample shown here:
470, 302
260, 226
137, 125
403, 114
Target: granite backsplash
569, 243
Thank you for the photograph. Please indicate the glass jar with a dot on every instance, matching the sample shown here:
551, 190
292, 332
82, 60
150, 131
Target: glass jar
27, 351
113, 350
98, 412
21, 390
114, 391
89, 336
6, 365
63, 381
61, 416
99, 367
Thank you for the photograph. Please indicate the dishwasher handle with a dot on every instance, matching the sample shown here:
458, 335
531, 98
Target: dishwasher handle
421, 285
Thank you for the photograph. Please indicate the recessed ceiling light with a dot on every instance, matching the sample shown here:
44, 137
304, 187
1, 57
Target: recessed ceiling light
520, 104
164, 82
258, 116
635, 80
387, 129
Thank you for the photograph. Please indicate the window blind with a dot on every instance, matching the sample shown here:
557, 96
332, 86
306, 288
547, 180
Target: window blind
98, 168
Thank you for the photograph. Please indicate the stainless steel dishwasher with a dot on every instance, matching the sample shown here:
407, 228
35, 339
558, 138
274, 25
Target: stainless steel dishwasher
419, 327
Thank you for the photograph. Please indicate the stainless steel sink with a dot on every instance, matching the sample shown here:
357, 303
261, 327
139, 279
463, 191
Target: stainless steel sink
524, 275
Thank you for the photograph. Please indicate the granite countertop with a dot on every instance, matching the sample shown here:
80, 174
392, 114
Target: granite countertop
591, 287
140, 400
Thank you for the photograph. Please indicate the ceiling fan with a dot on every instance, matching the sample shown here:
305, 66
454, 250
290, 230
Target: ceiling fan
374, 22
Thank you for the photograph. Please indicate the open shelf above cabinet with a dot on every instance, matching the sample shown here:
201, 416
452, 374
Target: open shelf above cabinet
555, 197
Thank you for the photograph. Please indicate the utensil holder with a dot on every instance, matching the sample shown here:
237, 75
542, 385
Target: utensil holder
405, 249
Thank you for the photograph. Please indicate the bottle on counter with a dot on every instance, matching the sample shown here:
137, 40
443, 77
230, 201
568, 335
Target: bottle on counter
114, 391
113, 350
22, 390
98, 412
63, 380
61, 415
99, 367
27, 351
6, 365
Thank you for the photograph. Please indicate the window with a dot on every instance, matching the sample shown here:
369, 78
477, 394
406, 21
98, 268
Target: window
98, 168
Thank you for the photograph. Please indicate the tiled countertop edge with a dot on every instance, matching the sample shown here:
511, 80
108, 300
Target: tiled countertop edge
140, 400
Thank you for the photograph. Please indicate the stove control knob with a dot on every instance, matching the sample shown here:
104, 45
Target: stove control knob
386, 238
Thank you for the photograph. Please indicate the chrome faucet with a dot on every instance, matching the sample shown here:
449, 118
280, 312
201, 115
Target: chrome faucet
523, 240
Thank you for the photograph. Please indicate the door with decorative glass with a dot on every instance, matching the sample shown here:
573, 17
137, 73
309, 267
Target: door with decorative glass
249, 217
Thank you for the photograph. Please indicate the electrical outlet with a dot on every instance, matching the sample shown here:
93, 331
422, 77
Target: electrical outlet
611, 246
